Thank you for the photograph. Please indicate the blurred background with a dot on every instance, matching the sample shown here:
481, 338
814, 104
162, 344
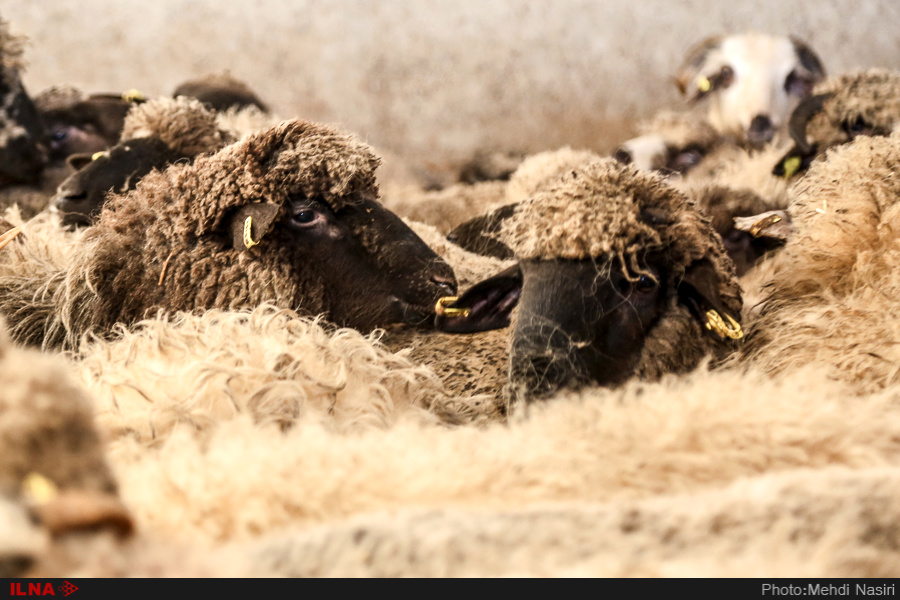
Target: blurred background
433, 81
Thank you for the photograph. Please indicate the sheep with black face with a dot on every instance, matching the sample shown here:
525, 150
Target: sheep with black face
842, 108
156, 133
620, 276
288, 216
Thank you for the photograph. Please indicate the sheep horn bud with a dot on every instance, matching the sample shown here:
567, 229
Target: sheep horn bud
800, 119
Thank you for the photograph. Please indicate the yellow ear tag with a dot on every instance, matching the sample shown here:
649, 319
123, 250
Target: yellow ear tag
441, 309
731, 329
703, 84
134, 95
791, 165
248, 239
97, 155
39, 489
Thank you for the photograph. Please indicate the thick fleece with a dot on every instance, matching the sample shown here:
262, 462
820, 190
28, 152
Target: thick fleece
834, 289
167, 245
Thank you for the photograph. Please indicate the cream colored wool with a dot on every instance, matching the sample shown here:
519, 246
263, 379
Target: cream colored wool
588, 213
469, 268
680, 436
804, 523
834, 289
449, 207
456, 204
539, 169
195, 372
183, 124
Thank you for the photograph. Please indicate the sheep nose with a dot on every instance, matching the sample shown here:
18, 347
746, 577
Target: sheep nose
761, 131
447, 284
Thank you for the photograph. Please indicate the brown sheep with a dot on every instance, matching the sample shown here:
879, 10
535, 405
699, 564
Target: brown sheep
289, 216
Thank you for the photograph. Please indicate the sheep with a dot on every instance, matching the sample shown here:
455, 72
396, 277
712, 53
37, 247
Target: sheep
724, 196
156, 133
671, 142
53, 463
72, 123
829, 294
748, 84
843, 107
220, 91
186, 239
620, 276
22, 152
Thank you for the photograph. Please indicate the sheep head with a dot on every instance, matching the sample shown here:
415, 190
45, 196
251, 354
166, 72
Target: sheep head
619, 276
220, 91
749, 83
842, 108
22, 151
79, 124
289, 215
155, 134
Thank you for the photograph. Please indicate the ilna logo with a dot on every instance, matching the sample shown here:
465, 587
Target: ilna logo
17, 588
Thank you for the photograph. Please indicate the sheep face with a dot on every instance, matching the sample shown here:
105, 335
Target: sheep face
85, 126
749, 84
22, 152
594, 337
372, 269
865, 103
619, 276
81, 196
289, 215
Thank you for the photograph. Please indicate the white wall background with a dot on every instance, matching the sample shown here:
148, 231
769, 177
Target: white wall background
433, 80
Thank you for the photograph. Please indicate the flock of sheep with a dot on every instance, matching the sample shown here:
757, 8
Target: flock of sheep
240, 345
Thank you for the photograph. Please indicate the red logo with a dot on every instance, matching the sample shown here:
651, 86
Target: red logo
18, 588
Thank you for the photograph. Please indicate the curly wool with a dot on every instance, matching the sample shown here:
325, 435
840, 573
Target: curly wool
834, 287
195, 372
156, 247
873, 95
183, 124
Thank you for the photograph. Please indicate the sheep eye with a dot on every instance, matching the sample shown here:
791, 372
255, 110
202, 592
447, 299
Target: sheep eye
59, 134
724, 78
858, 127
645, 284
306, 217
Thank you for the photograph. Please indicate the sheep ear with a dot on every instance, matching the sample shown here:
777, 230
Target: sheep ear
485, 306
688, 73
478, 235
699, 291
251, 222
774, 225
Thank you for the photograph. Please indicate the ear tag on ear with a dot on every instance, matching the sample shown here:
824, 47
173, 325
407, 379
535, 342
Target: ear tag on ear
757, 227
442, 308
39, 489
791, 165
731, 329
703, 84
248, 238
134, 95
97, 155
